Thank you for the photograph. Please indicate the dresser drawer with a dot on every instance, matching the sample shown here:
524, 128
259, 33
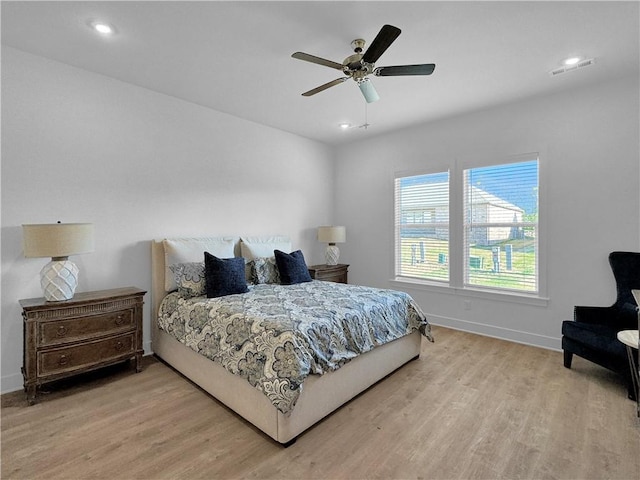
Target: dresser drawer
330, 273
332, 276
65, 359
65, 331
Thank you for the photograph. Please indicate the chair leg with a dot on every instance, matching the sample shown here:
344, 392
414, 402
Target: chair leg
568, 356
631, 391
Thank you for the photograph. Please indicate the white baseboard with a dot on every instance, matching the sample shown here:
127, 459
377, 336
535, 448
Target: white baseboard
517, 336
11, 383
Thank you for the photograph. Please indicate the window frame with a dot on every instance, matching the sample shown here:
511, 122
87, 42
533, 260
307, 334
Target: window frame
488, 225
435, 170
397, 226
456, 283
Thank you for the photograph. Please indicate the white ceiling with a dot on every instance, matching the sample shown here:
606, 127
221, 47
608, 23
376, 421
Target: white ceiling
235, 57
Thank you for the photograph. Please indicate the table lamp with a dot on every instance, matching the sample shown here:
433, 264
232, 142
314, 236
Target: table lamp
331, 236
59, 277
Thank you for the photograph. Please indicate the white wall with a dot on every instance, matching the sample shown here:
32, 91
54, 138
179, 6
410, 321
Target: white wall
588, 141
80, 147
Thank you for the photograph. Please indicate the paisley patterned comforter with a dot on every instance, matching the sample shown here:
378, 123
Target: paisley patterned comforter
276, 335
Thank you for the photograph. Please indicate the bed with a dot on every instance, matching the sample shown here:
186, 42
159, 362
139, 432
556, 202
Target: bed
281, 405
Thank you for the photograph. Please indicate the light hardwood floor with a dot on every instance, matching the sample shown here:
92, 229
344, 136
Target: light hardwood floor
470, 408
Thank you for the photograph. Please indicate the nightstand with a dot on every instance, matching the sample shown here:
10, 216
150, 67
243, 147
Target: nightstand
89, 331
329, 273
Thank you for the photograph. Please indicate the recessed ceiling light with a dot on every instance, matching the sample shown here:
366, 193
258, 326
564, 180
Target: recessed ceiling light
572, 64
571, 60
103, 28
344, 126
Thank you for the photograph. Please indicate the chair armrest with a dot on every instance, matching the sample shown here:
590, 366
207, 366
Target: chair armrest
628, 316
595, 315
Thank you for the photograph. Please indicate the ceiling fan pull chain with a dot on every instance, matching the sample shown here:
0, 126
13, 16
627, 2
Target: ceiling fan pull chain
365, 125
366, 120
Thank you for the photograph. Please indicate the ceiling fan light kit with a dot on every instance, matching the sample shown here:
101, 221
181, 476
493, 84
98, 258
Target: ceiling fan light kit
367, 89
360, 65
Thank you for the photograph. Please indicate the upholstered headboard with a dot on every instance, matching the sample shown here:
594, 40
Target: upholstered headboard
169, 251
157, 284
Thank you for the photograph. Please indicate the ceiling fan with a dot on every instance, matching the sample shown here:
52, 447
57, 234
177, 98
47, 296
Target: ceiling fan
360, 65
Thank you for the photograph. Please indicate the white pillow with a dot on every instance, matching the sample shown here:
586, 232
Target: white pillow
187, 250
263, 246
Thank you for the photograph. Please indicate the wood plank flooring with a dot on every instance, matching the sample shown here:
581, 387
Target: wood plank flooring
471, 407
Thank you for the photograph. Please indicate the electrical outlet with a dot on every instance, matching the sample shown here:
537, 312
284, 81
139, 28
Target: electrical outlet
467, 304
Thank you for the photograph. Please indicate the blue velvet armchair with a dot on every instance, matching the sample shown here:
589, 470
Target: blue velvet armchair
592, 334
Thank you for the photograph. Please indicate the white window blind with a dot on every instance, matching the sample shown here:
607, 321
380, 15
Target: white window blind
422, 226
475, 228
501, 227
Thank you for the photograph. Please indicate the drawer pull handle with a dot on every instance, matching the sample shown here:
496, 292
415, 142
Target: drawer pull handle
119, 345
62, 331
63, 360
119, 319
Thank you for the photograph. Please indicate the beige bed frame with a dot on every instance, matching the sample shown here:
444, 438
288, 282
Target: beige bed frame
321, 394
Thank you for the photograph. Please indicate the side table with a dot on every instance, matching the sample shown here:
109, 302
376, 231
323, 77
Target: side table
329, 273
630, 339
89, 331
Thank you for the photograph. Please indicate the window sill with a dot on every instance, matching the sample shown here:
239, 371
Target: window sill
510, 297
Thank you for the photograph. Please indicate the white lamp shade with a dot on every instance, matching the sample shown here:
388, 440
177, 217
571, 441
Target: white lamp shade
332, 234
57, 239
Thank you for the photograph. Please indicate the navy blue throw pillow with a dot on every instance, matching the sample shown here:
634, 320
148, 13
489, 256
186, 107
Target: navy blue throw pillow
292, 267
224, 276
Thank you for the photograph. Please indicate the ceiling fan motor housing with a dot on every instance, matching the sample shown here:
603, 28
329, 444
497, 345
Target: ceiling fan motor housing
355, 67
353, 64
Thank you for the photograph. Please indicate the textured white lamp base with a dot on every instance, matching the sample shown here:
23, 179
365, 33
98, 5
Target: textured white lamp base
332, 254
59, 279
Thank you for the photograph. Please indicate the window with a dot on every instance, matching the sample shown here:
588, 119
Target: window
500, 226
492, 243
422, 226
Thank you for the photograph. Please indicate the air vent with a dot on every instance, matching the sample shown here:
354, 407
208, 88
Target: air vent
570, 68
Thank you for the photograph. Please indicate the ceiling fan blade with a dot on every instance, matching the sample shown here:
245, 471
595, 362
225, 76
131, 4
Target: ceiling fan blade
317, 60
325, 86
424, 69
386, 36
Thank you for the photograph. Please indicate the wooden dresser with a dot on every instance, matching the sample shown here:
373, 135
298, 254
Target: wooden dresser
92, 330
330, 273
